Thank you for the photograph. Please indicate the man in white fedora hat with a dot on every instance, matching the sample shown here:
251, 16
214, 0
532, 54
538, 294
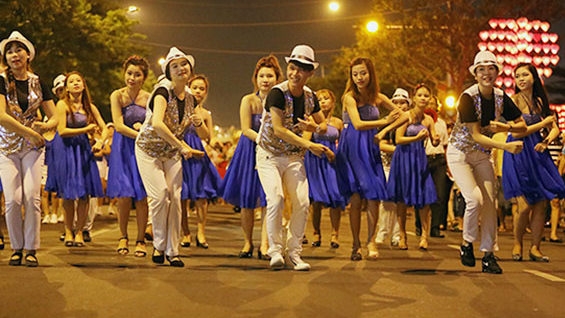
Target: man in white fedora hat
290, 108
468, 155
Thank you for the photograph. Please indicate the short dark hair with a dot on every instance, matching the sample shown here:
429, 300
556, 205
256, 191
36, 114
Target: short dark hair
304, 66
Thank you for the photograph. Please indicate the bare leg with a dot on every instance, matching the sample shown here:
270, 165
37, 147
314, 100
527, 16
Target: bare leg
69, 208
247, 222
202, 211
316, 220
82, 214
555, 211
264, 238
536, 223
124, 205
521, 220
141, 211
335, 218
425, 221
401, 214
355, 220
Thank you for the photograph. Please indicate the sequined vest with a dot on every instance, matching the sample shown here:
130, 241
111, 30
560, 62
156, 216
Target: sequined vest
267, 138
10, 141
461, 135
149, 141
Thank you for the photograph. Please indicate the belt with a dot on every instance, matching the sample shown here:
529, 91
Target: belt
436, 156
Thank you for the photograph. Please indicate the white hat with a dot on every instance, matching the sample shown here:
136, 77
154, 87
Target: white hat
18, 37
484, 58
59, 81
303, 54
174, 54
401, 94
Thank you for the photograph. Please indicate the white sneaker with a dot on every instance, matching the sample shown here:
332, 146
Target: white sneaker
53, 219
46, 219
277, 262
298, 263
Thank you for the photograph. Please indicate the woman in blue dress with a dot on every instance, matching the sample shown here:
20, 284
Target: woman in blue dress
410, 182
359, 168
241, 186
128, 105
201, 180
77, 176
530, 176
322, 178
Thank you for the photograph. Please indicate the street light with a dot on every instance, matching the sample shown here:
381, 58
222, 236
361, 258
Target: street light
334, 6
133, 9
372, 26
450, 101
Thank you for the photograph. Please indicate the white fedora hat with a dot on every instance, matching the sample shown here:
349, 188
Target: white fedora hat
18, 37
401, 94
303, 54
484, 58
59, 81
174, 54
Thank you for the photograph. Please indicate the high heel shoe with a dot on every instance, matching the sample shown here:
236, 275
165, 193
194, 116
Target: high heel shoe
334, 243
158, 257
204, 244
317, 241
186, 241
356, 254
373, 252
517, 253
263, 256
246, 254
423, 244
402, 244
539, 258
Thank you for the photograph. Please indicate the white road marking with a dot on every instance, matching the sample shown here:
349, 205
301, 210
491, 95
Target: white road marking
545, 275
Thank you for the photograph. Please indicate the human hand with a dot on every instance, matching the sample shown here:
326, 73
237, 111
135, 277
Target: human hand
514, 147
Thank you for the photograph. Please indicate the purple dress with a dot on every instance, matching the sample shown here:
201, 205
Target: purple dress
358, 159
200, 178
530, 173
124, 180
76, 173
241, 186
322, 177
410, 180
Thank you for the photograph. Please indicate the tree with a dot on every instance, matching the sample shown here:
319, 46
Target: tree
431, 41
92, 37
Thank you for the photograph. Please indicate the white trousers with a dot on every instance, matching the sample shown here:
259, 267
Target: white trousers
163, 182
21, 178
273, 172
474, 175
387, 225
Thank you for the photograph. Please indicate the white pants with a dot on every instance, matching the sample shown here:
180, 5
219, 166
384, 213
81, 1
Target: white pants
163, 182
474, 174
388, 222
273, 171
21, 178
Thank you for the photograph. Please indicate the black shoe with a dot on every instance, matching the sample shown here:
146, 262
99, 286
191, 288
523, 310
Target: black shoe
236, 209
246, 254
62, 237
304, 240
490, 265
418, 231
1, 242
175, 261
467, 255
31, 260
204, 245
262, 256
158, 257
16, 259
435, 232
356, 255
557, 240
86, 236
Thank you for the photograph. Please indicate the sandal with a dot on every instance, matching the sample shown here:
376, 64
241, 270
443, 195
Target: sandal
140, 250
16, 259
175, 261
123, 246
31, 260
158, 257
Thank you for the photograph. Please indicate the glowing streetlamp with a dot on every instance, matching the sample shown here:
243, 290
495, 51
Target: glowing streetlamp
161, 61
133, 9
334, 6
372, 26
450, 101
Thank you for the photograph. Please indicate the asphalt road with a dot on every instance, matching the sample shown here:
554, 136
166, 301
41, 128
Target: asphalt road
94, 281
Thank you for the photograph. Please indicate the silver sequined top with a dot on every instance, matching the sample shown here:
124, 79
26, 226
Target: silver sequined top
149, 141
10, 141
461, 136
267, 138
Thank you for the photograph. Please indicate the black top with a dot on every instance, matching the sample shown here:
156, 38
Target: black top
276, 99
22, 90
165, 93
468, 114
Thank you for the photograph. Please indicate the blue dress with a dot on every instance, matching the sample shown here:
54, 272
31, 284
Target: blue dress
76, 174
241, 186
200, 179
322, 177
531, 173
358, 159
50, 183
410, 180
124, 180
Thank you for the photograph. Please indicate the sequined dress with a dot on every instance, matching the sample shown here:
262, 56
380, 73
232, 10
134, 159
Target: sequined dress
76, 173
322, 177
358, 159
241, 186
410, 180
530, 173
124, 180
200, 179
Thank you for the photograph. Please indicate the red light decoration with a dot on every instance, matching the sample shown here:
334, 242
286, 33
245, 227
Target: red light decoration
520, 40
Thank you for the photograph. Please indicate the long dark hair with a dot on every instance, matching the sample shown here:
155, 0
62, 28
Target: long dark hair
373, 88
539, 94
86, 100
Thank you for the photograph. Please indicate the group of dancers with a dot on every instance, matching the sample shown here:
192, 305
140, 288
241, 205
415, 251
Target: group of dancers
292, 153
